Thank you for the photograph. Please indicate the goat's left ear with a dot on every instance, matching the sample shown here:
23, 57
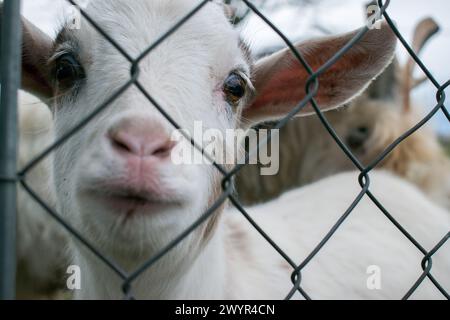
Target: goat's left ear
280, 79
36, 49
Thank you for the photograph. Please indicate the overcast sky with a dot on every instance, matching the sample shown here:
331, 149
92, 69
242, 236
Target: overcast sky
334, 15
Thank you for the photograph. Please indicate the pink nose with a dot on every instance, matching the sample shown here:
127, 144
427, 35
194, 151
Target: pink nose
141, 139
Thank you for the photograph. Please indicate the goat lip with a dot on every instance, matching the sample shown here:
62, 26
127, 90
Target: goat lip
129, 204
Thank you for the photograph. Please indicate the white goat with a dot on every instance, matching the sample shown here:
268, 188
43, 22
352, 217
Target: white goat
41, 242
115, 181
369, 125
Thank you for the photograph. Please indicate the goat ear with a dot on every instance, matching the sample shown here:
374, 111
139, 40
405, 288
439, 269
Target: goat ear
280, 79
36, 49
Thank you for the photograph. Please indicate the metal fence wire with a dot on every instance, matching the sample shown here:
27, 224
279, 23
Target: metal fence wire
9, 179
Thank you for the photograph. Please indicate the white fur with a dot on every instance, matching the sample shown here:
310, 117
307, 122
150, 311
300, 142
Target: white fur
366, 238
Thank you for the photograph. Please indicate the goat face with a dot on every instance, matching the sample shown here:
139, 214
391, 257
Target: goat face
119, 167
115, 178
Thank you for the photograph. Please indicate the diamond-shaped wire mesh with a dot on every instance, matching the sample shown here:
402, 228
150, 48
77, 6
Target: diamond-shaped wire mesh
128, 279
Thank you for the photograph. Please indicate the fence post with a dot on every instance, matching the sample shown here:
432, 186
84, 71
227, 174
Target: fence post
10, 73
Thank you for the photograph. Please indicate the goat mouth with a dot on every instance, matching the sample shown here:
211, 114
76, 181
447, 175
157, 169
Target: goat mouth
130, 203
134, 200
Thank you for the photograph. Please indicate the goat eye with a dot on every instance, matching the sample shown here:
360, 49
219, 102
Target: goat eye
234, 88
68, 70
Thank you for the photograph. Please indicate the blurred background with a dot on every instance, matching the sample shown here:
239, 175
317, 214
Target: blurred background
300, 19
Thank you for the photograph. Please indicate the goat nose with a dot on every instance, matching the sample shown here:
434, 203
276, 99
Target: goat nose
141, 141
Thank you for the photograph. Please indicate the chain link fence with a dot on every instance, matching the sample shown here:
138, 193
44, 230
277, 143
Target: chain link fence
9, 178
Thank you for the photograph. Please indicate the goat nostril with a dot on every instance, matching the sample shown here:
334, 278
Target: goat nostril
125, 143
164, 150
121, 146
